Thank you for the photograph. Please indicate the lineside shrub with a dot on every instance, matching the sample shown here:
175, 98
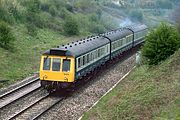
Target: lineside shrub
160, 44
136, 15
6, 37
71, 26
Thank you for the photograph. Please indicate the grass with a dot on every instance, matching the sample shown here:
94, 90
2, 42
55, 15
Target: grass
24, 57
147, 93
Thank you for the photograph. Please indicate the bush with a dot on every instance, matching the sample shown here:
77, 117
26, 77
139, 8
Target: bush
33, 6
44, 7
6, 16
69, 7
6, 37
71, 26
58, 3
32, 30
63, 13
97, 28
160, 44
164, 4
83, 4
53, 10
136, 15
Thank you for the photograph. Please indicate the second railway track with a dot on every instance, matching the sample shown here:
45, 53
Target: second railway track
27, 101
18, 92
37, 108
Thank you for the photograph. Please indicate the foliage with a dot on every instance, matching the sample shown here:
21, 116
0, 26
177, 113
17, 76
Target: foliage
53, 10
160, 44
71, 26
33, 6
6, 16
32, 30
97, 28
69, 7
136, 15
6, 36
164, 4
84, 5
45, 6
58, 3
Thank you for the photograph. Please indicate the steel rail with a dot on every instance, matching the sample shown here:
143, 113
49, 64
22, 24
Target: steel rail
8, 101
19, 87
28, 107
47, 109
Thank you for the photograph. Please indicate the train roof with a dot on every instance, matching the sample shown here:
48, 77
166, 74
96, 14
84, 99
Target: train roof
86, 45
118, 34
137, 28
79, 47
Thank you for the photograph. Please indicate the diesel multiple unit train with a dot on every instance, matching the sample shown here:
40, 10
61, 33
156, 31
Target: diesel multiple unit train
61, 67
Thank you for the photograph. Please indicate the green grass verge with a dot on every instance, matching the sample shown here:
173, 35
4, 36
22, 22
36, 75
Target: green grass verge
147, 93
24, 57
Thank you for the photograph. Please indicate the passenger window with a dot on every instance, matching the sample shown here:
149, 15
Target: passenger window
92, 57
99, 52
47, 64
94, 54
121, 42
88, 58
56, 64
66, 65
103, 51
83, 60
79, 63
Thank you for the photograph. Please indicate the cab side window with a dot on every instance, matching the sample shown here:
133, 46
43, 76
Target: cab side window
66, 65
79, 63
46, 63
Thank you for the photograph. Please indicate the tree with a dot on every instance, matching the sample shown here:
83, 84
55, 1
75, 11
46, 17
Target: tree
53, 10
164, 4
6, 37
136, 15
71, 26
33, 6
160, 44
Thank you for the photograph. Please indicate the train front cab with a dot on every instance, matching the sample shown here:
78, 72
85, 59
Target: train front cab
57, 71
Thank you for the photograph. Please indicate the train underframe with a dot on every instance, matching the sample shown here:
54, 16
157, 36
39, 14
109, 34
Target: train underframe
54, 85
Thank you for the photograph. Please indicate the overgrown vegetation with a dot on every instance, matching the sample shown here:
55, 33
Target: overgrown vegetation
6, 37
71, 26
51, 14
160, 44
136, 16
166, 4
147, 93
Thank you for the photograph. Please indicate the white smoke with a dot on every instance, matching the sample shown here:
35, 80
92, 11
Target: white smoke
125, 22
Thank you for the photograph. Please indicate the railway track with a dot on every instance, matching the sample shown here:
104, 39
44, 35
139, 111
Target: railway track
19, 92
48, 108
39, 107
29, 110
